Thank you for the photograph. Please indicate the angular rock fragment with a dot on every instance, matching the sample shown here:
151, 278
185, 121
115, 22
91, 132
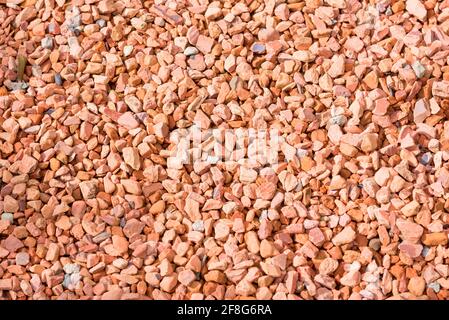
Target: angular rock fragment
89, 189
347, 235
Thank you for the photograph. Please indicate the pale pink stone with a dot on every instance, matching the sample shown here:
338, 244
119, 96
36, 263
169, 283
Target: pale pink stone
410, 249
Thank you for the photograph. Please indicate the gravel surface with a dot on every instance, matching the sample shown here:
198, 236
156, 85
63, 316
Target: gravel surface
241, 149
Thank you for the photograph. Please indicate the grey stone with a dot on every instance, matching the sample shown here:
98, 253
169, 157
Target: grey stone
127, 50
198, 225
47, 43
258, 48
338, 120
375, 244
419, 69
190, 51
58, 79
22, 258
425, 158
263, 215
71, 280
8, 217
435, 286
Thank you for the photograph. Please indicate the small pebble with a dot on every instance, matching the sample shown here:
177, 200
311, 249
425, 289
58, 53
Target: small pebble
22, 258
190, 51
258, 48
101, 23
198, 226
47, 43
127, 50
8, 217
375, 244
419, 69
338, 120
58, 79
425, 251
284, 150
435, 286
71, 268
425, 158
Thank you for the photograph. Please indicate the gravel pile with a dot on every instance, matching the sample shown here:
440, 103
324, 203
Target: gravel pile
199, 149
